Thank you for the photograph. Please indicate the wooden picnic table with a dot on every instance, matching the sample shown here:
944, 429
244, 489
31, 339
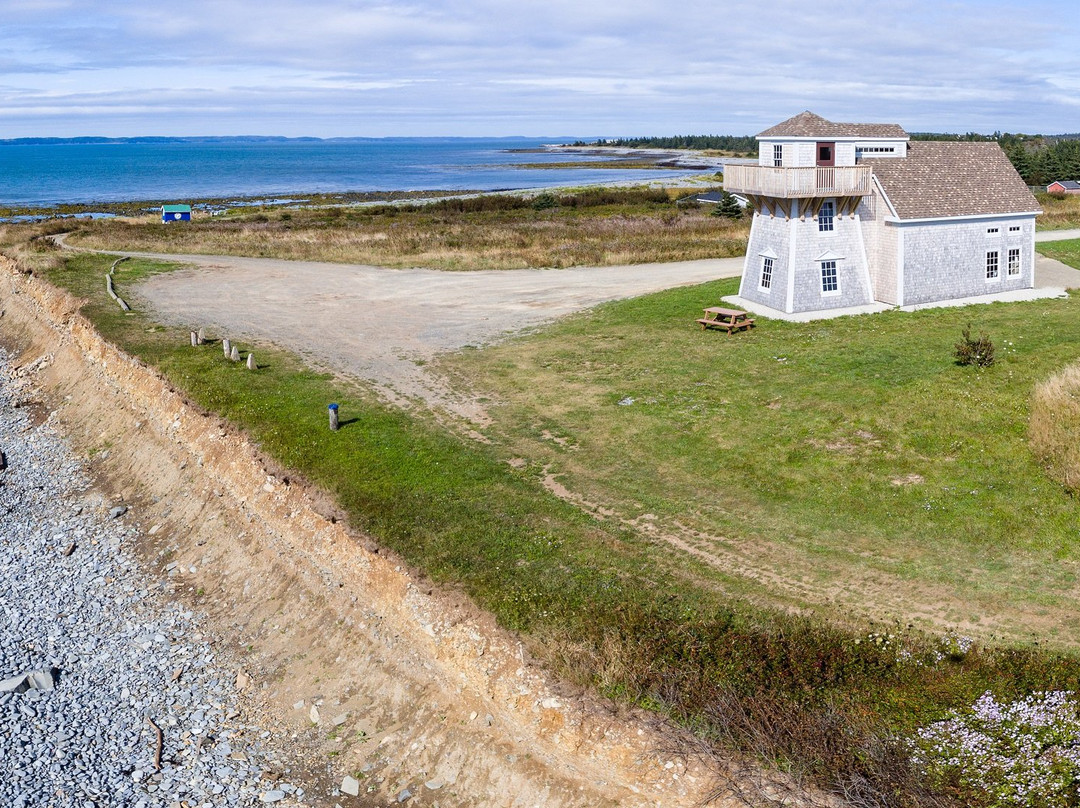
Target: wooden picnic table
727, 319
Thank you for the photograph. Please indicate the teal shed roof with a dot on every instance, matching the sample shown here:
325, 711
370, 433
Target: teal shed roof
176, 208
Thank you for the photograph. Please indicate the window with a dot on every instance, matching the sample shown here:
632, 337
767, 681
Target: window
992, 231
1014, 262
861, 150
992, 265
825, 217
829, 282
777, 156
1014, 228
766, 272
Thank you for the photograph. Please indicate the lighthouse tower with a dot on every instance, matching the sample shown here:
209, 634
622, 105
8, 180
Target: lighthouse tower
807, 251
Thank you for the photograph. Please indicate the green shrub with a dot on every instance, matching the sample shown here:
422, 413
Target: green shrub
728, 207
544, 201
978, 351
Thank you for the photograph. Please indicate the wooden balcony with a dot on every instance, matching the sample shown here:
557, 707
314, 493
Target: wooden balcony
798, 183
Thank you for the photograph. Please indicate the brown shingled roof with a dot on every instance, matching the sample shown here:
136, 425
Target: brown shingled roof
953, 179
807, 124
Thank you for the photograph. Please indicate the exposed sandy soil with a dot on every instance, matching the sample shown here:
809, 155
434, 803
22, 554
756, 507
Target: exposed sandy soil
431, 696
384, 324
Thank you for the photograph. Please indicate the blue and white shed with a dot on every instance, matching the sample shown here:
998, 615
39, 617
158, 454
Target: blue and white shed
175, 213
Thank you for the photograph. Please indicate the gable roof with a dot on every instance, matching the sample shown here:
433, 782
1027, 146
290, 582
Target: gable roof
1068, 185
807, 124
940, 179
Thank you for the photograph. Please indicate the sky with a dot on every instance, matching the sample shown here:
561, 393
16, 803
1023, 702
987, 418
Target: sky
352, 68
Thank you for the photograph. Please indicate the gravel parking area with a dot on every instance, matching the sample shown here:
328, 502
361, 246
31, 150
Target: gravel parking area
96, 658
384, 325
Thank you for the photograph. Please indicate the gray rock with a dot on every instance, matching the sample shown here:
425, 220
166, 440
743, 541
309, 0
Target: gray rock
350, 786
34, 680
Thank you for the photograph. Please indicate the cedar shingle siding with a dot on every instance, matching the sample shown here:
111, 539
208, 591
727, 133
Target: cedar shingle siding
924, 230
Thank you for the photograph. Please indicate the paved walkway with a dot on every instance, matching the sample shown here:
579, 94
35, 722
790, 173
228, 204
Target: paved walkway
1056, 235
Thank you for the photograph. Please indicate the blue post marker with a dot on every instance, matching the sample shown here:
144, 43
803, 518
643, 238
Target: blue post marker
333, 417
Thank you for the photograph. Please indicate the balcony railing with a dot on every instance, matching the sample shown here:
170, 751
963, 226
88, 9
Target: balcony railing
798, 182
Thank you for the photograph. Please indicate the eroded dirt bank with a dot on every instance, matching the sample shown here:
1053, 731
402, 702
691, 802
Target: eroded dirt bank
415, 692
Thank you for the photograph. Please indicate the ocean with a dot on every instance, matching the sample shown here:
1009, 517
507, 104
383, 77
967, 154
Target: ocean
57, 173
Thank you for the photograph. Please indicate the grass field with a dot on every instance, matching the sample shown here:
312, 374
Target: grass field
1059, 212
592, 228
844, 463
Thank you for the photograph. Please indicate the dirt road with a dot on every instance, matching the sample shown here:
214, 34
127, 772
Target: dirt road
383, 325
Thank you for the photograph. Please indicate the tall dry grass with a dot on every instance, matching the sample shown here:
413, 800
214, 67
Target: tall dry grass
445, 238
1060, 211
1054, 426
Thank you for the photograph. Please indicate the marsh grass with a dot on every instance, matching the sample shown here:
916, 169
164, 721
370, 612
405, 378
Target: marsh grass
603, 604
589, 228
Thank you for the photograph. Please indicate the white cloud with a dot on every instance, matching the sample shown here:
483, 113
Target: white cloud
476, 66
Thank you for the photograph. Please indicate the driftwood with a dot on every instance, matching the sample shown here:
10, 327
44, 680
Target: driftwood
160, 744
109, 285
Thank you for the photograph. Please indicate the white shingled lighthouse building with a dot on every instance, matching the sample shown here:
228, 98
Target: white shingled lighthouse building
852, 214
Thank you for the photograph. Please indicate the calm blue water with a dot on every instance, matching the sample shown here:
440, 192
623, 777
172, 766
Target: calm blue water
82, 173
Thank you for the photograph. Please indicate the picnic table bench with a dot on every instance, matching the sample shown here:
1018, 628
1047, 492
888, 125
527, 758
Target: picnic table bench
727, 319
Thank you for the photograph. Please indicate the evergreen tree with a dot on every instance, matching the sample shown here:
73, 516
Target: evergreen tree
728, 207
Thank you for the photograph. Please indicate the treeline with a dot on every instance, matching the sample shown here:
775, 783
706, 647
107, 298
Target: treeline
733, 143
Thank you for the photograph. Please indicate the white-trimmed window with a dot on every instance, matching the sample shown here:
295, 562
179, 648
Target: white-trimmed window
992, 269
777, 155
861, 150
993, 231
1014, 262
830, 283
825, 217
766, 272
1014, 228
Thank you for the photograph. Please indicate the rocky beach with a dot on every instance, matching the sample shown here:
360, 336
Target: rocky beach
112, 694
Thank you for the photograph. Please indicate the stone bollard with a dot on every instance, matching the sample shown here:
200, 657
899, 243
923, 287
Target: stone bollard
226, 346
194, 339
251, 362
235, 354
333, 408
201, 336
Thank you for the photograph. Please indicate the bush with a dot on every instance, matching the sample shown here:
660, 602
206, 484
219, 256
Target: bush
544, 201
728, 207
974, 351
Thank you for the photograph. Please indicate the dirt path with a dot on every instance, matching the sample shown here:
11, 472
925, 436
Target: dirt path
385, 324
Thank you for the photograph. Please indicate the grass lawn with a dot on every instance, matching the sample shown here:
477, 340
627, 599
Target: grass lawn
844, 463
